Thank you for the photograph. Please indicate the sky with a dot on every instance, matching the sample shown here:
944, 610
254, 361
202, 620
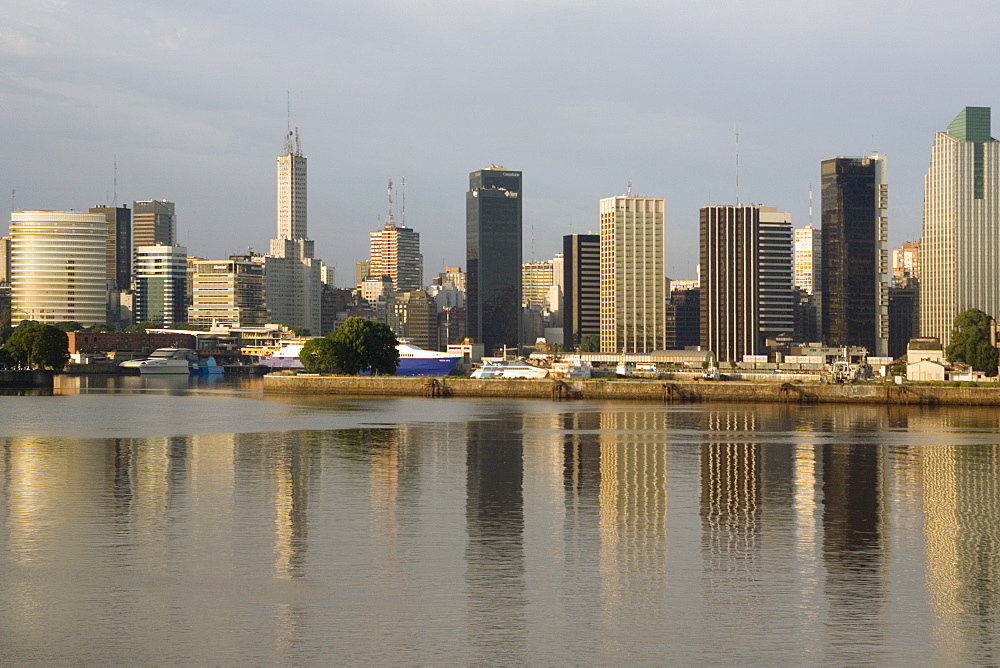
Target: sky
192, 101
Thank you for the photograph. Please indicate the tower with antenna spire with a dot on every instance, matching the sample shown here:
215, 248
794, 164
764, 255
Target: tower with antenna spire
394, 251
292, 273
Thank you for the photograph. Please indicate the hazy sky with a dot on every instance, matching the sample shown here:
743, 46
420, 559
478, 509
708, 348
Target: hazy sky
581, 96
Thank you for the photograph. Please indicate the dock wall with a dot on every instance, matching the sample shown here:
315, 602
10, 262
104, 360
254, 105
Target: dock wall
646, 390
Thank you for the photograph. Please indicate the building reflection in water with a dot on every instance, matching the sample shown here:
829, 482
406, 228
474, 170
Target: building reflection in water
962, 536
494, 554
633, 524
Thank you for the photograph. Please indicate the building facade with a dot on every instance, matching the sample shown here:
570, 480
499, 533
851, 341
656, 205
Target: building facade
413, 316
154, 223
960, 246
59, 267
395, 252
855, 204
633, 279
493, 257
808, 259
906, 261
119, 244
228, 292
161, 284
746, 279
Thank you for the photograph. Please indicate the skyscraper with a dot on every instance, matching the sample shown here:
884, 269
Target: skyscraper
119, 244
154, 223
808, 259
746, 279
394, 251
161, 284
960, 247
634, 283
59, 266
855, 203
294, 286
229, 292
493, 257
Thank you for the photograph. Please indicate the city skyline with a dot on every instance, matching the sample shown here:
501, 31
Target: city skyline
184, 124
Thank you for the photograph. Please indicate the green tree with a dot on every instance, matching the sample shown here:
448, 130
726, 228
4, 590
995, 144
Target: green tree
39, 347
68, 326
320, 356
970, 342
590, 343
101, 327
139, 327
301, 331
365, 345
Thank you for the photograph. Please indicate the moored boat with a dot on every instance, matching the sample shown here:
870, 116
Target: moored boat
509, 369
165, 360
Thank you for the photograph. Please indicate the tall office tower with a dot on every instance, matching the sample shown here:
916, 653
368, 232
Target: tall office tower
413, 316
228, 292
746, 279
4, 259
904, 315
395, 252
59, 267
960, 247
683, 318
119, 244
634, 283
581, 288
493, 257
537, 279
808, 262
906, 261
294, 286
855, 202
161, 284
154, 223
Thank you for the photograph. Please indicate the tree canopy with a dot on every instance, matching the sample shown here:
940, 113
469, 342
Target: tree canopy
970, 342
358, 346
39, 347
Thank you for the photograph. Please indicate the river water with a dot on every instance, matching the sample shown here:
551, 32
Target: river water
154, 521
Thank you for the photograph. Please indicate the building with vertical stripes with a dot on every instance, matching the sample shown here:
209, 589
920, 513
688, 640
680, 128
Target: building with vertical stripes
581, 288
634, 283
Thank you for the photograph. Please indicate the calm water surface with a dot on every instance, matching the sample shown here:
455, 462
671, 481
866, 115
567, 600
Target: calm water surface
152, 521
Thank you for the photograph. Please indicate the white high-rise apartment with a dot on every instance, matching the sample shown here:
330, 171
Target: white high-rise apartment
59, 266
960, 246
634, 283
294, 284
537, 279
229, 292
808, 254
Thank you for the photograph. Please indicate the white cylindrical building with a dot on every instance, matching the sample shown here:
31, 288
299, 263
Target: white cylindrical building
59, 266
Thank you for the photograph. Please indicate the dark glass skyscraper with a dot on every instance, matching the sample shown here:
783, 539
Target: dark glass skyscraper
581, 288
493, 257
119, 244
855, 253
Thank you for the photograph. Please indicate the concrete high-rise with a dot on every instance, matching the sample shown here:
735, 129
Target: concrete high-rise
119, 244
808, 259
493, 257
394, 251
59, 266
634, 283
228, 292
855, 203
746, 279
161, 284
581, 288
960, 246
293, 276
154, 223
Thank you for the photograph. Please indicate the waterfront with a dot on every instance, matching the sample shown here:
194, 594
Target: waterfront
146, 520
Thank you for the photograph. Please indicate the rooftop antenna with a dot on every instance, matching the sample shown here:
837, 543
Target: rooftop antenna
114, 202
388, 214
736, 129
810, 205
13, 191
532, 242
288, 110
402, 203
628, 189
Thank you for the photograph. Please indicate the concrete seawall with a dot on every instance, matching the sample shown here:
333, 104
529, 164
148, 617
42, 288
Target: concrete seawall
646, 390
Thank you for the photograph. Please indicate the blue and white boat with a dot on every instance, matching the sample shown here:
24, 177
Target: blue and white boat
509, 369
413, 360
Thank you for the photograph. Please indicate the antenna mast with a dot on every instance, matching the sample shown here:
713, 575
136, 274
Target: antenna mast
114, 202
388, 214
736, 129
402, 203
810, 205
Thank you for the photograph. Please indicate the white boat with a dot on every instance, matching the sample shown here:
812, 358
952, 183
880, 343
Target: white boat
509, 369
166, 360
573, 370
